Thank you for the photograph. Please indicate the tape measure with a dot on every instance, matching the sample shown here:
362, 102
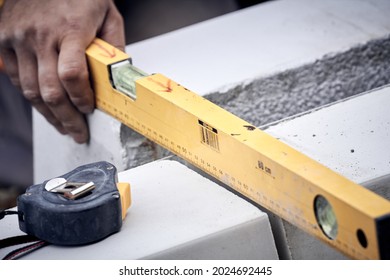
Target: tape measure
82, 206
305, 193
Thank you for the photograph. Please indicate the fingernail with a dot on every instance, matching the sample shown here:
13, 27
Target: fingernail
86, 109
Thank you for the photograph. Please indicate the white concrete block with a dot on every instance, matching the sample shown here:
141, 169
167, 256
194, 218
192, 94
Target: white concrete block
56, 154
176, 214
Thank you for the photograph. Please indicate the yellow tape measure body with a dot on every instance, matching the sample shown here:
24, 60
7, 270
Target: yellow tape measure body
300, 190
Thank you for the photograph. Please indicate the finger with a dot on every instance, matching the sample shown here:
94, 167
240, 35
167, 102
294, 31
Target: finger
73, 72
30, 86
10, 62
112, 29
55, 97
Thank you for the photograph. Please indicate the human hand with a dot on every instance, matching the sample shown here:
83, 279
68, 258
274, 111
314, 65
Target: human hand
43, 43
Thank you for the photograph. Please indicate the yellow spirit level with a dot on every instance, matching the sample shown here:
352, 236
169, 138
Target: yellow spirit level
323, 203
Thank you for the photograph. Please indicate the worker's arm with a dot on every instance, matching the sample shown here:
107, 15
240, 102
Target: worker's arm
43, 43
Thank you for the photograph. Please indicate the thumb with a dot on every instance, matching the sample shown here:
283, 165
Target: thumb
112, 30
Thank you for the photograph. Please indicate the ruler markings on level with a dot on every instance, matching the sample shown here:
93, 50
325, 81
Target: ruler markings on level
300, 190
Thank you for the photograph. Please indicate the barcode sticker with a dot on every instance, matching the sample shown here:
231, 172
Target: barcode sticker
209, 135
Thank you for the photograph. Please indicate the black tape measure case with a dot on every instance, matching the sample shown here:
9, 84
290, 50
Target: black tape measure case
80, 207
